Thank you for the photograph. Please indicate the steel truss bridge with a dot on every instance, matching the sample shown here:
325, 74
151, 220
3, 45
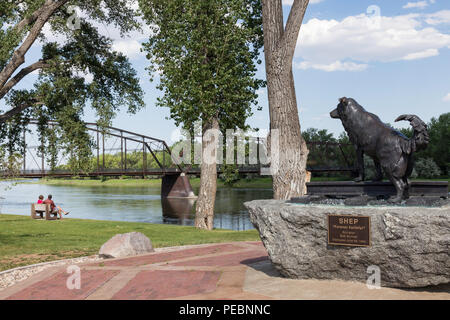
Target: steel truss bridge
139, 156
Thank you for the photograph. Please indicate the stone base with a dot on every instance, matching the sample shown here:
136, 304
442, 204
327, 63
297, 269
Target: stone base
410, 245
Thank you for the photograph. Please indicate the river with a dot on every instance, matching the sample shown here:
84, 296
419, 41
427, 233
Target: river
135, 204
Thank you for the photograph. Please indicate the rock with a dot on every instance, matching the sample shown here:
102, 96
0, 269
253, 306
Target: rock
309, 199
125, 245
410, 245
358, 201
426, 202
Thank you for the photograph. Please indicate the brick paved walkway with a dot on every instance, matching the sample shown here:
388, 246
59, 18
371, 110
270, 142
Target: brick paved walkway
239, 270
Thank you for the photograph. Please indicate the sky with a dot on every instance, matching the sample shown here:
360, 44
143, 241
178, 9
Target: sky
392, 56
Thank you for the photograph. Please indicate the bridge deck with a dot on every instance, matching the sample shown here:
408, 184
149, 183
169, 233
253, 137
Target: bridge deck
152, 172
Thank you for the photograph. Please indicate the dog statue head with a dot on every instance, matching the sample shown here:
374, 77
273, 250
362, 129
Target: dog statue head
345, 108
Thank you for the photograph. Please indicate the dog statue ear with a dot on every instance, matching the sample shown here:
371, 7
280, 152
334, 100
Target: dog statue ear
343, 100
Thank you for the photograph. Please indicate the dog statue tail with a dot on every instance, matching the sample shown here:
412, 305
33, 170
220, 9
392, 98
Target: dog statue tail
420, 138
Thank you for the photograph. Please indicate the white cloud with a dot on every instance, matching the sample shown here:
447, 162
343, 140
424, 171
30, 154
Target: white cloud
446, 98
326, 44
440, 17
130, 48
422, 54
418, 4
334, 66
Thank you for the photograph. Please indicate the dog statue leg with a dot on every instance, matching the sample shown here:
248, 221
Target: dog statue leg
399, 187
379, 171
360, 164
407, 184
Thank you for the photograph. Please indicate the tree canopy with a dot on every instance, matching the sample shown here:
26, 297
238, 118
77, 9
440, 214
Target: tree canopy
205, 53
80, 69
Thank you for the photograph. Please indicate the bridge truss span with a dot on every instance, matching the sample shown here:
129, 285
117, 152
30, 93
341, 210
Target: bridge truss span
118, 152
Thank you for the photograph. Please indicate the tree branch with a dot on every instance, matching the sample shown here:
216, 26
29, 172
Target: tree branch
289, 40
28, 20
18, 57
22, 73
16, 110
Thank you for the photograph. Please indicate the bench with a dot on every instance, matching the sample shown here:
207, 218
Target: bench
38, 210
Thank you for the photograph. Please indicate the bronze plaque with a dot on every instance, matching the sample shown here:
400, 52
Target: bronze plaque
348, 230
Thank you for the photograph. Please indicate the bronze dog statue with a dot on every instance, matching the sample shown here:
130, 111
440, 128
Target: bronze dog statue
389, 149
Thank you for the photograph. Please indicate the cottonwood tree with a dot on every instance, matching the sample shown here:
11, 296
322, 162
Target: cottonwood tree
206, 53
279, 47
63, 88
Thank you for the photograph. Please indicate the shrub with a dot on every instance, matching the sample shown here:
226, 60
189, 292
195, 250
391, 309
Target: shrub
230, 175
369, 168
427, 168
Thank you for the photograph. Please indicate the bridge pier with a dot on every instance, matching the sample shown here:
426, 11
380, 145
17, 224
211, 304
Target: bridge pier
176, 186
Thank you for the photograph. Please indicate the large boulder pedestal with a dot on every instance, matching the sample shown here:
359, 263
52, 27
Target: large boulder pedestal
410, 245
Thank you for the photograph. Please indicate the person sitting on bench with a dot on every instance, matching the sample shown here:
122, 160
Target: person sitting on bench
41, 201
54, 209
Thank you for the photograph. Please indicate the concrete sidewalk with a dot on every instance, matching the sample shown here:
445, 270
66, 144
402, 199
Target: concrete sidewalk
239, 270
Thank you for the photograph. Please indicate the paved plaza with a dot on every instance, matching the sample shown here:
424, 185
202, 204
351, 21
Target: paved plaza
239, 270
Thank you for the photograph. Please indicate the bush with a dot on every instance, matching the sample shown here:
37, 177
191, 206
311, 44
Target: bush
369, 168
414, 174
230, 175
427, 168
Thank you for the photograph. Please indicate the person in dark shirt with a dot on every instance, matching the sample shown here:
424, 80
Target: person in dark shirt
54, 209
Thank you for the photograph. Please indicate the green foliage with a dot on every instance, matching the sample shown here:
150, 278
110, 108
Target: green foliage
230, 174
369, 168
439, 146
63, 88
205, 52
427, 168
10, 164
324, 150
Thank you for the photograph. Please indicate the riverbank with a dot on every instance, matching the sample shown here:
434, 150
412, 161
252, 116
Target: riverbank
25, 241
258, 183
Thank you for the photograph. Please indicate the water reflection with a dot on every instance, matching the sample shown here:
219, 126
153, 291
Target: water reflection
178, 211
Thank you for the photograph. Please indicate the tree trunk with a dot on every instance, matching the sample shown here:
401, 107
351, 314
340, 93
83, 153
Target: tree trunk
279, 45
204, 213
290, 177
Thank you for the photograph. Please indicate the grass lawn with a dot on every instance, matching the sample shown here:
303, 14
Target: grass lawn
25, 241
